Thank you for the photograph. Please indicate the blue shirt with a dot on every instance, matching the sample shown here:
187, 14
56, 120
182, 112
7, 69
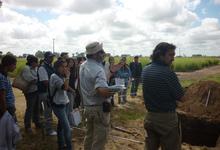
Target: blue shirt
161, 88
5, 85
92, 76
124, 73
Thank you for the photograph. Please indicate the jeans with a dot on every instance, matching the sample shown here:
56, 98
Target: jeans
64, 136
134, 86
32, 110
47, 109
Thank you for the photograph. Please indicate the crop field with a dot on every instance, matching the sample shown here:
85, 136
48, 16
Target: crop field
181, 64
194, 63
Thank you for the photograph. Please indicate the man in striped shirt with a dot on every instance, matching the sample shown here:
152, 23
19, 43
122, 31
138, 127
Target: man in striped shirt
161, 90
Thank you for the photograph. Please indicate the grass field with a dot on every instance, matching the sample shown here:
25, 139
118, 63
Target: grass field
183, 64
194, 63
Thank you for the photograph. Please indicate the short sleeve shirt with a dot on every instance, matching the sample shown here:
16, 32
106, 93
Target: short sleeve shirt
60, 95
92, 76
43, 75
5, 85
30, 74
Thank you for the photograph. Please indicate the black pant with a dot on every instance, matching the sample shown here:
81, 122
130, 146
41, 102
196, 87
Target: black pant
32, 109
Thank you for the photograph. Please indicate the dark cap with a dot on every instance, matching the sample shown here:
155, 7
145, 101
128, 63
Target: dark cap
48, 54
63, 54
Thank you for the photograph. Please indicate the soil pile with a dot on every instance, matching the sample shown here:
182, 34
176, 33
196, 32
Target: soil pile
202, 100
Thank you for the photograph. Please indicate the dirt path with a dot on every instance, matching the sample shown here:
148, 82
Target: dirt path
199, 74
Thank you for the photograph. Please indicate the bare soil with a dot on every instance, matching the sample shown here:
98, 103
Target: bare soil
117, 140
199, 74
202, 100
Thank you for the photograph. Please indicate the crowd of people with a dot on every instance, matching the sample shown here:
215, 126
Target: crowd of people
70, 83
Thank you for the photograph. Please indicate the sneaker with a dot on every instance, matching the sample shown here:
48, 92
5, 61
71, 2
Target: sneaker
52, 133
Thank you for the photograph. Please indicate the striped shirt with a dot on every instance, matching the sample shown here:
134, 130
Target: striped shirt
161, 88
5, 85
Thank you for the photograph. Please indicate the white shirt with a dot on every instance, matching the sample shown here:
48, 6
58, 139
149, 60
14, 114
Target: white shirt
10, 132
43, 76
29, 74
56, 84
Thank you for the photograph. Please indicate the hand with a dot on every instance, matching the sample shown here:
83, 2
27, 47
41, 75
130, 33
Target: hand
105, 92
67, 73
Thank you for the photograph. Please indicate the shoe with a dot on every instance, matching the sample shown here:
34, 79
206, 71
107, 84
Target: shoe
52, 133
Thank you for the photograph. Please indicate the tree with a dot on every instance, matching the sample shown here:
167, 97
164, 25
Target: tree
39, 54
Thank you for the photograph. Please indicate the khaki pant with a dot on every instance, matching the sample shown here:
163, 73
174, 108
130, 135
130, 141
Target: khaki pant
97, 128
162, 130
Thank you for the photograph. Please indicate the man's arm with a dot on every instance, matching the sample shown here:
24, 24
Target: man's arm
175, 87
104, 92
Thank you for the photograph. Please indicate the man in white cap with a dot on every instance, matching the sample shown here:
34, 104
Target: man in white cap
95, 92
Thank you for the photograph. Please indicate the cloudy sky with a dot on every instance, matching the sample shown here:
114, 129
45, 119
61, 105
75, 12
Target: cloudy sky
124, 26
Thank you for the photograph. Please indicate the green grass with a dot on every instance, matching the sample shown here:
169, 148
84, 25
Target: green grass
20, 65
186, 83
213, 78
180, 64
125, 115
194, 63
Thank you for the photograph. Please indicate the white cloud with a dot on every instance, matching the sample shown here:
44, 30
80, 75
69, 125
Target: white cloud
217, 2
133, 27
88, 6
203, 38
34, 3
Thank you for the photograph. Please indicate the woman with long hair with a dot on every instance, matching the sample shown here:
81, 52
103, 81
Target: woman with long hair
59, 85
71, 92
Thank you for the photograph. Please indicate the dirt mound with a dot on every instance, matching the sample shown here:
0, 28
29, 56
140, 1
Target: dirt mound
202, 100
